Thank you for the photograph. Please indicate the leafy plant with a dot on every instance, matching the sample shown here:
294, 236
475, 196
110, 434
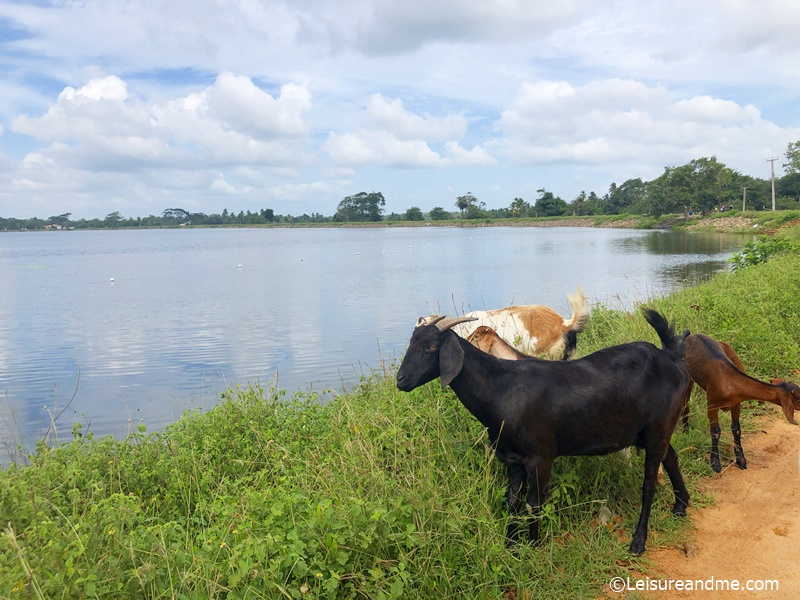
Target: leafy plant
760, 250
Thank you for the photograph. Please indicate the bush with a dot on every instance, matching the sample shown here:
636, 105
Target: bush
759, 251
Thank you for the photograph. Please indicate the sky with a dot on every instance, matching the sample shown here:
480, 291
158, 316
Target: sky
142, 105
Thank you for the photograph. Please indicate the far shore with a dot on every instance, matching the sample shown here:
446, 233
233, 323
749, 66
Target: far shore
737, 222
732, 224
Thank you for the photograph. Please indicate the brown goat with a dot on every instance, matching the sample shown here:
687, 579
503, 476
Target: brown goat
716, 368
487, 339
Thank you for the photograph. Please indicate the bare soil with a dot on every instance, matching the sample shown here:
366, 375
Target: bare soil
752, 531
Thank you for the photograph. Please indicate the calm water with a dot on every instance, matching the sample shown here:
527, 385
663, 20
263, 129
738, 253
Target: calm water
191, 312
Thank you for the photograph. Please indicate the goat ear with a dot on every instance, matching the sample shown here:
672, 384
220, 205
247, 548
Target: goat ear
786, 403
788, 408
451, 359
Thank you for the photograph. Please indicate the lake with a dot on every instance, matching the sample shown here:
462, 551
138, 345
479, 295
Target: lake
142, 325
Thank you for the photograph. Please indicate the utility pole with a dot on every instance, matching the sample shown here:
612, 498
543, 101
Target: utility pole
772, 161
744, 196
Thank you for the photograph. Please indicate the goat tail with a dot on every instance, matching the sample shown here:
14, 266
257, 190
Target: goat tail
580, 312
671, 343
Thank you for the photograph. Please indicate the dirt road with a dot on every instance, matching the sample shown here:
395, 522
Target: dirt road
752, 532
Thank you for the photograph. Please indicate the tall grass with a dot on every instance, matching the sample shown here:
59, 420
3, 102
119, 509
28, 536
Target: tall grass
376, 494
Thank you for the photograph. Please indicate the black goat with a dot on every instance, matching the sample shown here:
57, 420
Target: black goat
536, 410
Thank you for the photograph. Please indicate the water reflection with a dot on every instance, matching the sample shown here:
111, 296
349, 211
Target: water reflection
680, 242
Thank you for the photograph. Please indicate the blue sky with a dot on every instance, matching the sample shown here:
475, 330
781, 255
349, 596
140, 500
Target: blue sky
138, 106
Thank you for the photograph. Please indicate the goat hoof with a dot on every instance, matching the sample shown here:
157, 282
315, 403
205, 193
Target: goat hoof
741, 463
715, 464
679, 511
636, 548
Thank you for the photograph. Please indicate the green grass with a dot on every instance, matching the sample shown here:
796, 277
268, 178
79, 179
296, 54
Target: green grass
376, 494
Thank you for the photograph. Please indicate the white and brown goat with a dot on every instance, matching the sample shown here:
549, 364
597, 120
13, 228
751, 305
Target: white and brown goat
531, 329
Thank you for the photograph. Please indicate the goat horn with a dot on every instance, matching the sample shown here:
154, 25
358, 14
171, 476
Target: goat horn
429, 320
448, 323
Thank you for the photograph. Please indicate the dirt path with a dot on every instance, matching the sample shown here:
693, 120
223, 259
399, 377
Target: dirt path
752, 532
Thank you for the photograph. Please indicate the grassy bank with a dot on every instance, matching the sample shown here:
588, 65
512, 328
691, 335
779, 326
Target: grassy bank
377, 494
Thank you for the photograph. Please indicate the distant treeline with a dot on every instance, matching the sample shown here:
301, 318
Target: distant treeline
171, 217
702, 185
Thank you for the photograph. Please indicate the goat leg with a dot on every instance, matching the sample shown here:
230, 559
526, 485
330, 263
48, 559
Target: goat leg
715, 435
736, 429
538, 485
514, 492
687, 396
652, 458
670, 463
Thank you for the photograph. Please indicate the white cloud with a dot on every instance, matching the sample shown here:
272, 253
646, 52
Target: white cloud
221, 185
304, 190
102, 126
398, 138
405, 26
405, 125
380, 148
461, 156
240, 105
746, 26
705, 109
616, 120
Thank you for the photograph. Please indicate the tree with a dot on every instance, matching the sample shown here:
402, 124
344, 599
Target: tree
548, 205
197, 218
176, 215
361, 207
595, 204
62, 220
758, 193
789, 185
413, 214
477, 211
792, 164
580, 205
470, 206
701, 184
113, 219
628, 197
670, 192
465, 202
439, 214
520, 208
